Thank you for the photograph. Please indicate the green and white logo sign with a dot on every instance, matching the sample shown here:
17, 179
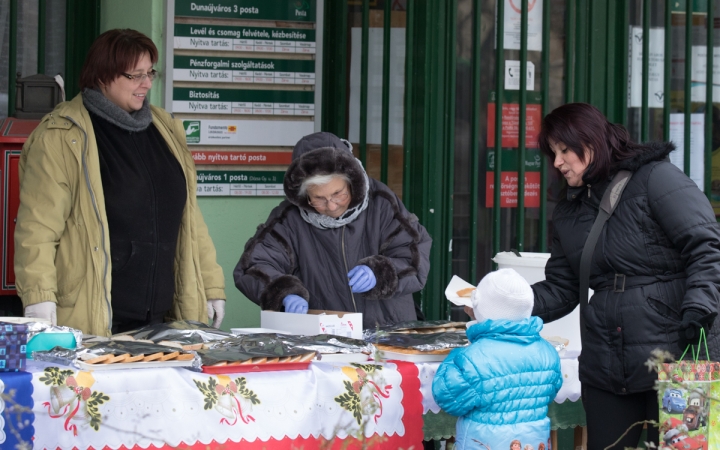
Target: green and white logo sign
261, 133
192, 131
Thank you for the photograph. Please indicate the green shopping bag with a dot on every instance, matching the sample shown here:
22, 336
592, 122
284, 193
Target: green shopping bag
685, 393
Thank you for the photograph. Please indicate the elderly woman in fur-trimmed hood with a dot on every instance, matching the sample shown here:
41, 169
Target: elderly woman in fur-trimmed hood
340, 241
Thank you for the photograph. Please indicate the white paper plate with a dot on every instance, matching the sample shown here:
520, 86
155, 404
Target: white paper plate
412, 357
455, 285
135, 365
343, 357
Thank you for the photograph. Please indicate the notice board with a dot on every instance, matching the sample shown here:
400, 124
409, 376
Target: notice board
243, 77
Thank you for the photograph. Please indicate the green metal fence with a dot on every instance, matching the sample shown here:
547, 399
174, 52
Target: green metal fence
636, 61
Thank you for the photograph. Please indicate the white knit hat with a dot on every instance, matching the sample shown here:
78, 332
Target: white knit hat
503, 294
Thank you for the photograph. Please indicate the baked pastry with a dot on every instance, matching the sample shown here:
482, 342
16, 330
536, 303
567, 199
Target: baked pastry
110, 358
268, 360
170, 344
466, 292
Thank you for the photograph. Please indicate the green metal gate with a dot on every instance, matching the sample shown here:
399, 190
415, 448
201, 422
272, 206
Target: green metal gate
641, 62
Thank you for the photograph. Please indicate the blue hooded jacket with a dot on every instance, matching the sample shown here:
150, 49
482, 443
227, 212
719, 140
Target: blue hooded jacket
501, 385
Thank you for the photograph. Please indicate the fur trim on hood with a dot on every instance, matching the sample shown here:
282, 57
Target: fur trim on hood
655, 151
324, 161
321, 139
642, 154
652, 151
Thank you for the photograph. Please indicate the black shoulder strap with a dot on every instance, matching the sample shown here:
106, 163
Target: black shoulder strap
609, 202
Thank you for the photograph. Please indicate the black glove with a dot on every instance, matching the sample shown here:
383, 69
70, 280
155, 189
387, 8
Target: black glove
693, 320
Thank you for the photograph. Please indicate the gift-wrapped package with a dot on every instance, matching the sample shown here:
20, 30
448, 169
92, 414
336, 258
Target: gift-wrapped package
13, 346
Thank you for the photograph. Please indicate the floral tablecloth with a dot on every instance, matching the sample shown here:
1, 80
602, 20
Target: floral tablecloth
16, 403
329, 405
376, 405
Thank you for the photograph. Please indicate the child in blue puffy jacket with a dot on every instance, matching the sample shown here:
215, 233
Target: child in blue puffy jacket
501, 385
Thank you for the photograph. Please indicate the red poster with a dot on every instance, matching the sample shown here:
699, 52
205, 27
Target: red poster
511, 125
509, 190
245, 158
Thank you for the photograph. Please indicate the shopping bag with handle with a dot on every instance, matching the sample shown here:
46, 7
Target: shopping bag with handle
685, 391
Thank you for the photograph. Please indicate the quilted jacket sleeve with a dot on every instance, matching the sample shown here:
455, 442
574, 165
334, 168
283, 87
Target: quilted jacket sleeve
455, 383
686, 217
265, 270
402, 264
557, 295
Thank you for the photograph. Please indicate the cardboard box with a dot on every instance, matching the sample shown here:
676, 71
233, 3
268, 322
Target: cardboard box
315, 322
13, 342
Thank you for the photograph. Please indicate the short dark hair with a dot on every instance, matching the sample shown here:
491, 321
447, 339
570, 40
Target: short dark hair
112, 53
580, 126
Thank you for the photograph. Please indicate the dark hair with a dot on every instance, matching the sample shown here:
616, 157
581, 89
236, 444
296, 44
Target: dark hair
580, 126
114, 52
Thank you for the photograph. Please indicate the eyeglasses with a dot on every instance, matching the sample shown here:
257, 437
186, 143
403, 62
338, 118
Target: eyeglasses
337, 199
137, 79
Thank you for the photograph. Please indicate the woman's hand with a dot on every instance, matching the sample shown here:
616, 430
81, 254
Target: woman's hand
295, 304
362, 279
43, 310
216, 311
692, 321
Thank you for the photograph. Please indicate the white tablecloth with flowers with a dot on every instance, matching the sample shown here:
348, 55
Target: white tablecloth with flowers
377, 404
329, 405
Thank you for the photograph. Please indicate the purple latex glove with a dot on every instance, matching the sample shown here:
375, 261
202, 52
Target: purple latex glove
362, 279
295, 304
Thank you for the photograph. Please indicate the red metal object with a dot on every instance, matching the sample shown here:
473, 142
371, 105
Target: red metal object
13, 134
267, 367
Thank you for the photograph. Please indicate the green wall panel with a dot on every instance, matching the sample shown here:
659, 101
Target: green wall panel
231, 223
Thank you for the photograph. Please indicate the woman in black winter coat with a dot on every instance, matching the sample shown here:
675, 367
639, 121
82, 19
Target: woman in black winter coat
341, 241
662, 243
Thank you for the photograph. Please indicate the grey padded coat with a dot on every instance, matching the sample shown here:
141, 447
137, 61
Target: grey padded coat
287, 255
665, 240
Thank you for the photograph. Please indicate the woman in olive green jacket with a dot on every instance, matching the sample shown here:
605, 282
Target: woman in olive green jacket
63, 260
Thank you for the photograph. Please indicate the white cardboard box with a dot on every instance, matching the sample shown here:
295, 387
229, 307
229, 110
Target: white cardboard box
315, 322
